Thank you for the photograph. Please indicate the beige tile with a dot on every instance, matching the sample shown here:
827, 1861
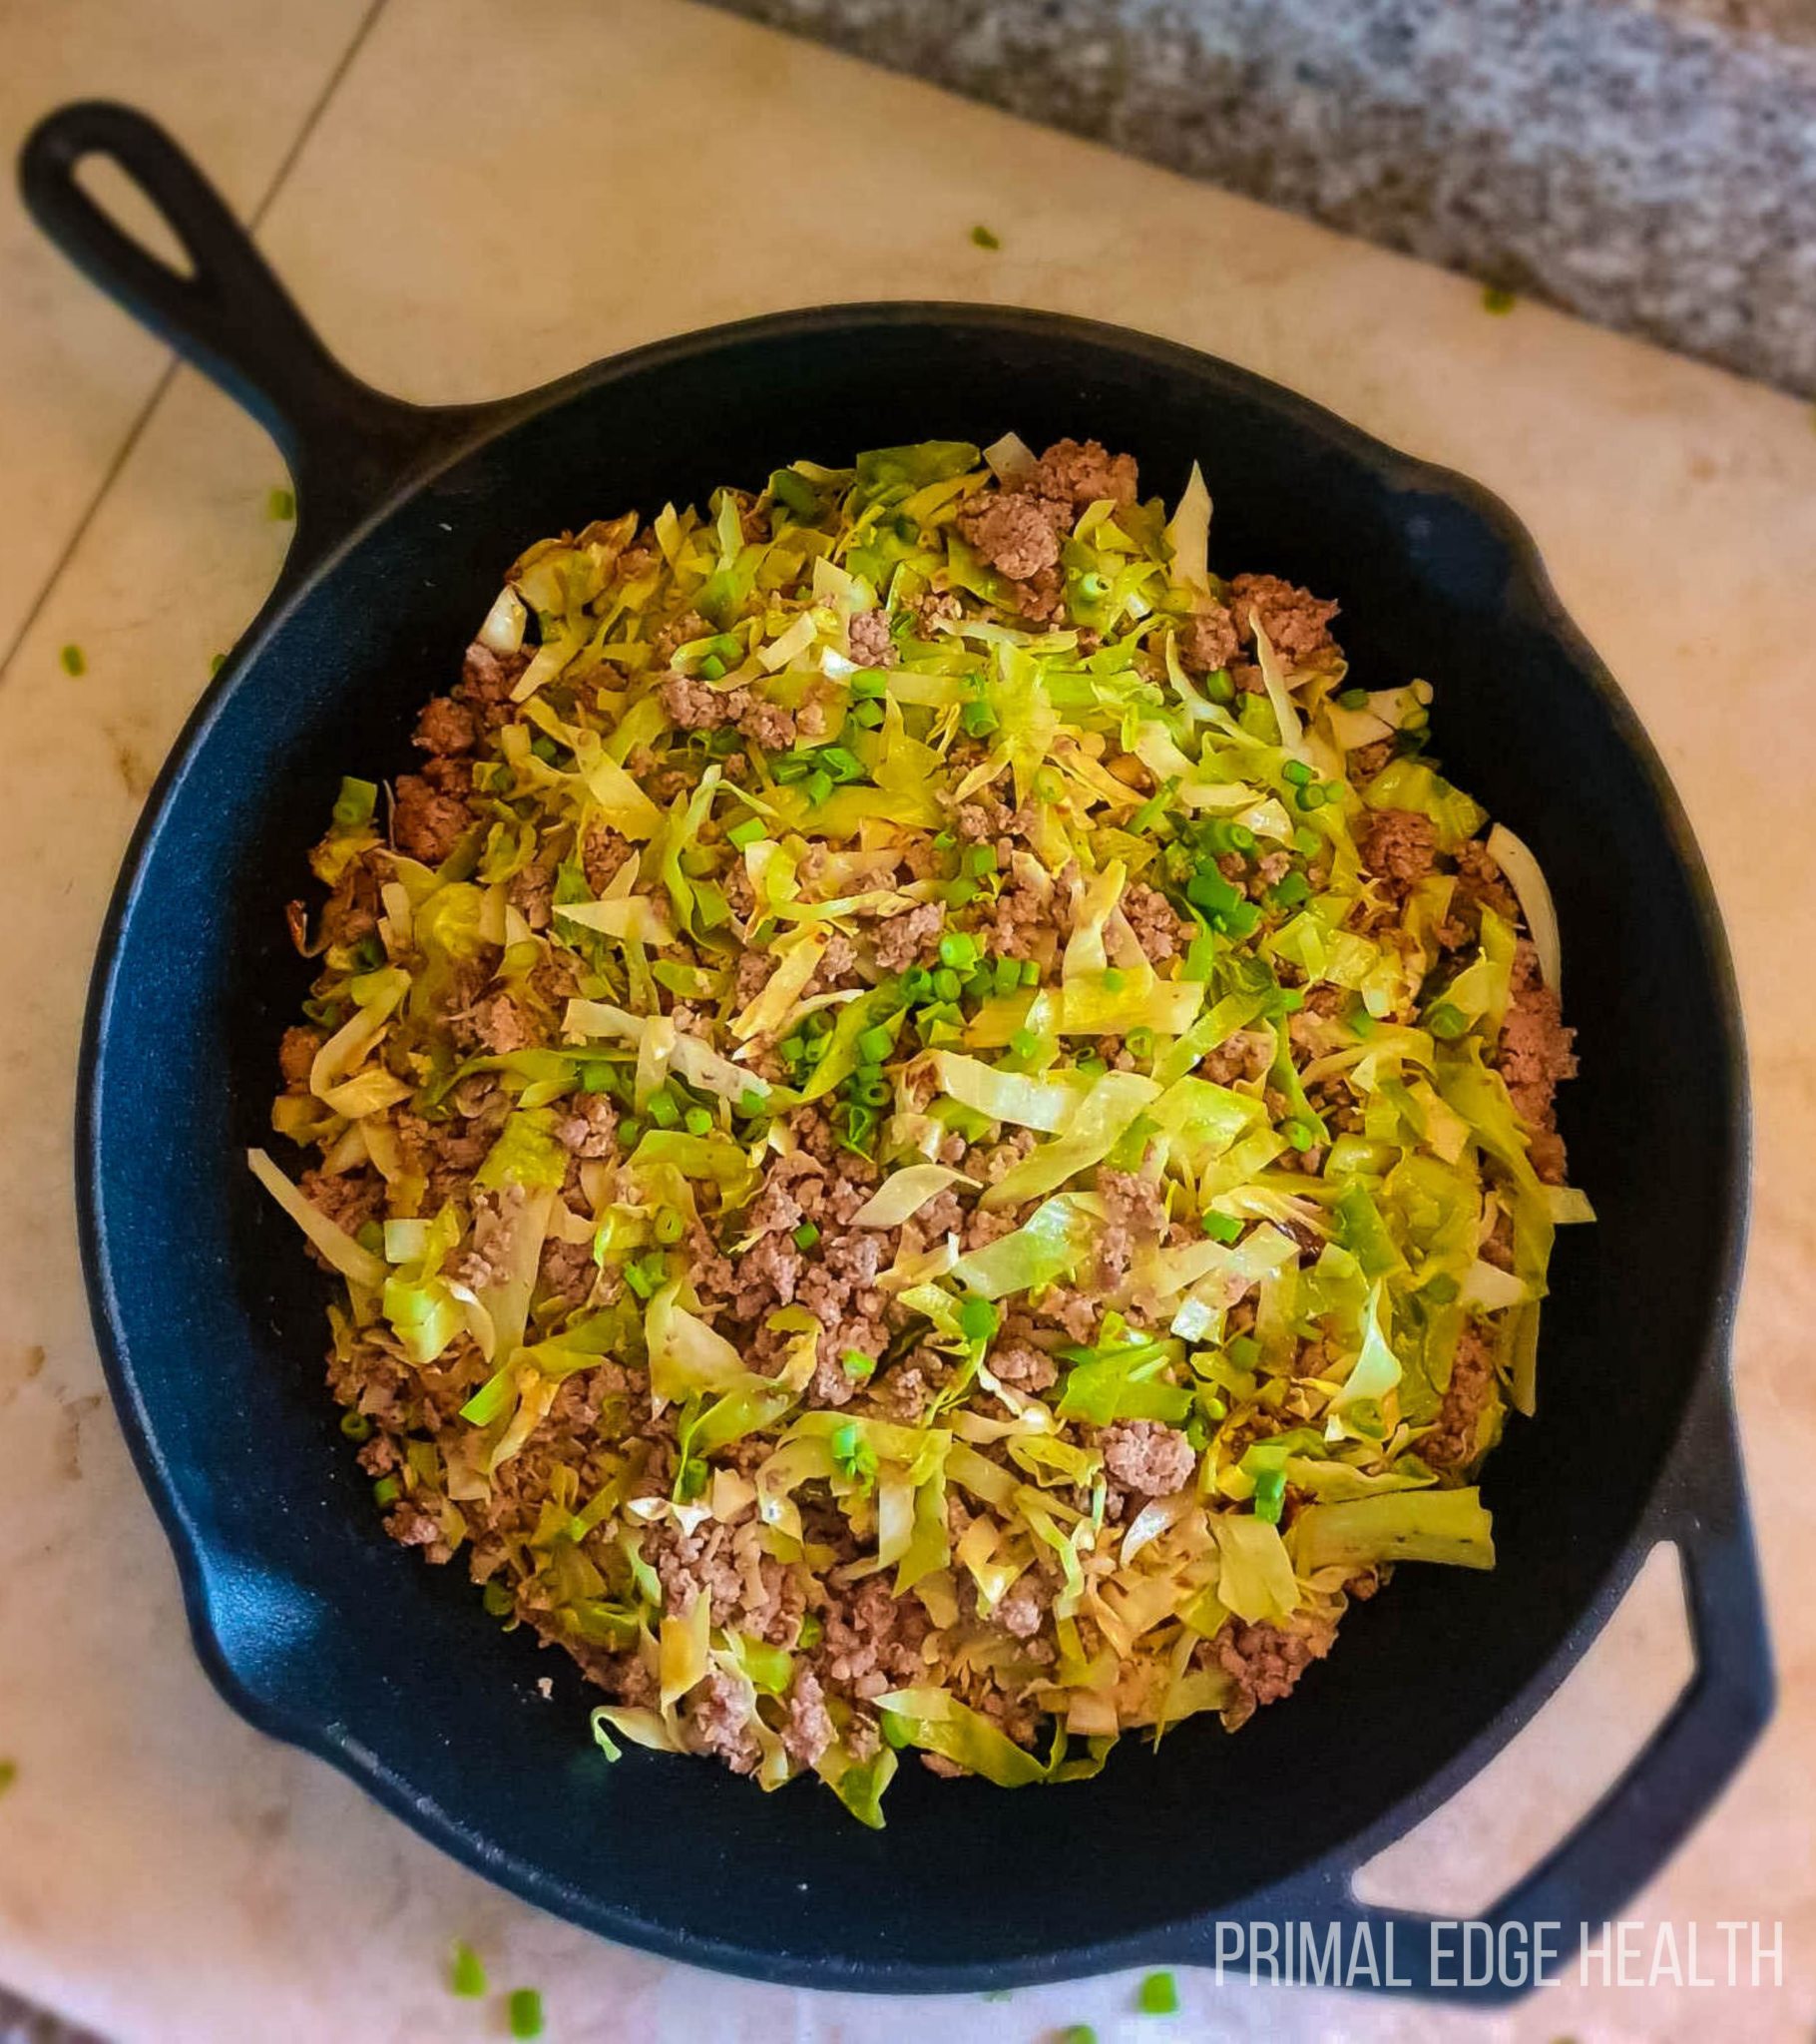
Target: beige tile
235, 78
535, 186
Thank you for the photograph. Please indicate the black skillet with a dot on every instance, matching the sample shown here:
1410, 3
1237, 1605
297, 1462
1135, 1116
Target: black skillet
211, 1324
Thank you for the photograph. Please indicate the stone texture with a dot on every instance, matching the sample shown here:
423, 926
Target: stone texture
1652, 167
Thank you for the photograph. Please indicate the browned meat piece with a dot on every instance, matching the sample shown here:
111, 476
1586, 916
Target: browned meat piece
1207, 641
1452, 1440
871, 645
505, 1024
1401, 846
532, 894
297, 1053
904, 940
1266, 1662
592, 1129
1297, 623
1142, 1455
426, 825
446, 726
1536, 1054
808, 1732
1081, 472
1151, 915
1016, 533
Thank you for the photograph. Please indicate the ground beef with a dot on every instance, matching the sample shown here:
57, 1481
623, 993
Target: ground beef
446, 726
1016, 533
1142, 1455
425, 823
715, 1724
1151, 915
1367, 761
602, 854
297, 1054
808, 1732
1082, 472
871, 645
592, 1129
873, 1639
1452, 1440
1266, 1662
767, 725
532, 894
679, 632
1401, 846
1024, 1367
1023, 1607
569, 1273
504, 1024
903, 941
1536, 1054
1297, 623
1207, 641
695, 706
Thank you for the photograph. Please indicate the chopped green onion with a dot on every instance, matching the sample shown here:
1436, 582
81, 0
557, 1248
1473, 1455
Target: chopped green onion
1077, 2033
868, 687
498, 1599
980, 859
466, 1977
671, 1222
986, 238
868, 716
689, 1480
1159, 1995
749, 1103
356, 1425
712, 668
811, 1632
628, 1130
1301, 1135
698, 1120
662, 1110
1310, 798
386, 1491
1024, 1043
1441, 1288
978, 719
1270, 1495
1296, 771
1290, 889
746, 833
1114, 979
818, 785
875, 1045
958, 949
1221, 1226
281, 505
856, 1364
1031, 973
1497, 298
1447, 1022
946, 983
805, 1236
1007, 975
1306, 841
74, 662
1219, 687
524, 2012
1353, 699
1243, 1350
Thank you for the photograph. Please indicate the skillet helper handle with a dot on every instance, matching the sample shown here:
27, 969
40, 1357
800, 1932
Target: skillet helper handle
1664, 1792
345, 443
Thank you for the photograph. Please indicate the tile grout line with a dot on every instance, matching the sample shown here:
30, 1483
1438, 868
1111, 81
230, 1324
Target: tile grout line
167, 376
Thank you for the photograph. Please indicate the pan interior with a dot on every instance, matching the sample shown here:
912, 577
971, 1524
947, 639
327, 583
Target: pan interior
334, 1636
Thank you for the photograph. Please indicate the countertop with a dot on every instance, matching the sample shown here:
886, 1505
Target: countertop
469, 197
1648, 163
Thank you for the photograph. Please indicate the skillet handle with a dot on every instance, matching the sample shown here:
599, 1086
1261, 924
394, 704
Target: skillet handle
346, 444
1665, 1791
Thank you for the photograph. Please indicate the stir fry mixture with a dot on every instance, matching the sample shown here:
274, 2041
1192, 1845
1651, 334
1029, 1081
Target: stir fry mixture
937, 1137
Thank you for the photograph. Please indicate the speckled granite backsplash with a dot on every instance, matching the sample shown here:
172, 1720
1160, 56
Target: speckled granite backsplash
1650, 166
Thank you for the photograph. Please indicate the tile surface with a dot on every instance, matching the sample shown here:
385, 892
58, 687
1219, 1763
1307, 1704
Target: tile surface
238, 82
165, 1873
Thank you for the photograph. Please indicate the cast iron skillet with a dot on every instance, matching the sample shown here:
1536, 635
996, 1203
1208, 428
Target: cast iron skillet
211, 1323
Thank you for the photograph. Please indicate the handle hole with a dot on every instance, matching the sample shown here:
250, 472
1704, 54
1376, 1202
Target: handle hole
126, 204
1464, 1857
